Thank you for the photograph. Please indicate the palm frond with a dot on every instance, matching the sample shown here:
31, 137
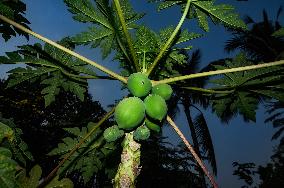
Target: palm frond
248, 20
205, 141
236, 42
276, 109
278, 133
280, 10
195, 60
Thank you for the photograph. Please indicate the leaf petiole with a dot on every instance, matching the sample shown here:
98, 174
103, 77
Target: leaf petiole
211, 73
54, 171
100, 67
126, 33
170, 40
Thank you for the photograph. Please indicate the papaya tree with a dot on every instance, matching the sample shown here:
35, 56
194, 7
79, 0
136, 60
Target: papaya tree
147, 59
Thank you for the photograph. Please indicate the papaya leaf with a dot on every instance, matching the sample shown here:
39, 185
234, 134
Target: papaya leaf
105, 28
167, 4
33, 180
247, 87
20, 75
219, 14
57, 69
204, 9
15, 11
6, 132
63, 183
52, 89
15, 142
8, 169
145, 40
90, 157
186, 36
279, 33
202, 20
239, 102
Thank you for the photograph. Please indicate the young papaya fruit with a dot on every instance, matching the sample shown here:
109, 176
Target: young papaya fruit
141, 133
164, 90
155, 106
113, 133
129, 113
152, 126
139, 84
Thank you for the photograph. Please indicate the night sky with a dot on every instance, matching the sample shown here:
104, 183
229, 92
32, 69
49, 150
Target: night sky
236, 141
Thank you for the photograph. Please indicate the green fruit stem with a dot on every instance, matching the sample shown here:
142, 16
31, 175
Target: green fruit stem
128, 169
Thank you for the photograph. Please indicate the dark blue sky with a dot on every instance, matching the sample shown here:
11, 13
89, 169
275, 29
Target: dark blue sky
237, 141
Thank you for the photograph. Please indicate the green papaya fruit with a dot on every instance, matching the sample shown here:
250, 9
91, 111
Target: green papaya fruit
156, 107
129, 113
152, 126
139, 84
112, 133
141, 133
164, 90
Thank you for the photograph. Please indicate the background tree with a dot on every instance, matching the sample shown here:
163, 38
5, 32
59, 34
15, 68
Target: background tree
190, 101
43, 127
14, 10
258, 42
270, 175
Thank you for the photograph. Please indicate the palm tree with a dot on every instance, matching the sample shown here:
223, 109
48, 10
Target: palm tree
200, 134
167, 166
258, 42
276, 111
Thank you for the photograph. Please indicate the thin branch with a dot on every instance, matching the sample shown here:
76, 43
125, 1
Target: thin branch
211, 73
100, 67
190, 147
170, 40
208, 90
54, 171
126, 33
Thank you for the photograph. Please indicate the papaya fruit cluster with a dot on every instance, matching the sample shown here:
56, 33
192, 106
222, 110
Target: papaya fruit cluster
142, 112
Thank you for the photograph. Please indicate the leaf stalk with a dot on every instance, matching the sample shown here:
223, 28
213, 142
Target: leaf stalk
194, 154
100, 67
54, 171
224, 71
170, 40
212, 91
126, 33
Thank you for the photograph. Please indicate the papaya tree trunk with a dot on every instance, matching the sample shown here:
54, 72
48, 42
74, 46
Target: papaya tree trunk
128, 169
186, 106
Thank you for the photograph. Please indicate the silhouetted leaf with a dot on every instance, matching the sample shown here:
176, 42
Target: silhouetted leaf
106, 25
245, 88
202, 9
89, 158
13, 10
205, 141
